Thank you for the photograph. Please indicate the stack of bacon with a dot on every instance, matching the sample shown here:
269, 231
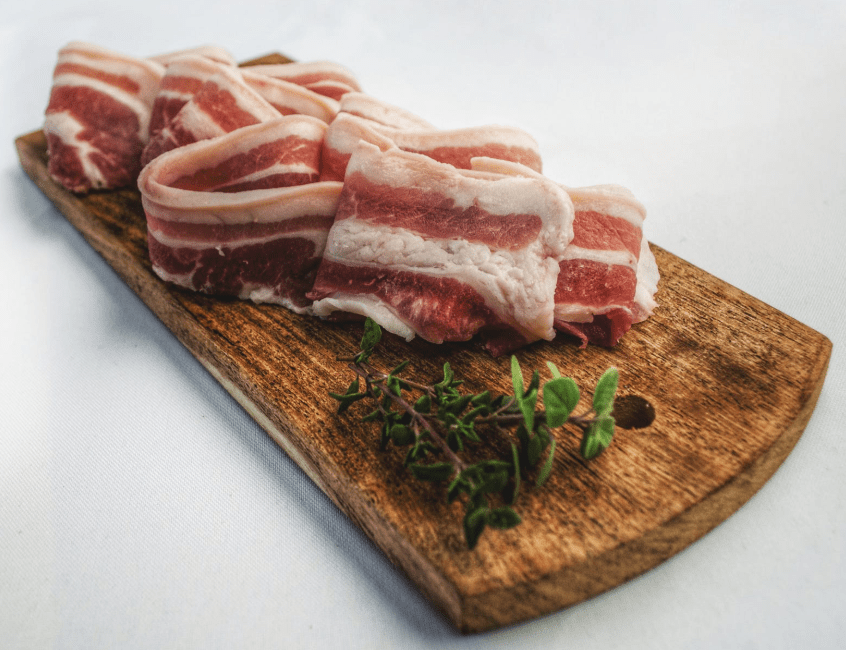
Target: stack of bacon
286, 184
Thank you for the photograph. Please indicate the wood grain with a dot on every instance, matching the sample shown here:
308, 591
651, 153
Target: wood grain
732, 381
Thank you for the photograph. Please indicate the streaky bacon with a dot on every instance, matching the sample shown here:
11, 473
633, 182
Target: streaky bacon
183, 78
289, 98
224, 103
426, 249
213, 52
455, 147
326, 78
603, 287
242, 214
97, 117
374, 109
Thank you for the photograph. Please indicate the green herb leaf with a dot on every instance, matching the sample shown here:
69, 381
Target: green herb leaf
516, 377
553, 369
502, 518
474, 523
515, 459
603, 397
434, 472
401, 435
546, 470
560, 397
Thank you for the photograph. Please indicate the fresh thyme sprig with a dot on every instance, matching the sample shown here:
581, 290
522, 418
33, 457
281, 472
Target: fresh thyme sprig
437, 425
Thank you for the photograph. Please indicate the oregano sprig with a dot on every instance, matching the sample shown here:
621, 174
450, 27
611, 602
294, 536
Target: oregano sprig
435, 423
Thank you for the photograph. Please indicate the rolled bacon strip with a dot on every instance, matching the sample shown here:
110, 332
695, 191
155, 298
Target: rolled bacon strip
455, 147
241, 214
426, 249
289, 98
97, 119
373, 109
603, 286
224, 103
183, 78
323, 77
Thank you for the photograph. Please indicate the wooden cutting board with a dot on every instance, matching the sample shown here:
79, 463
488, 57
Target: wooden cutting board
732, 382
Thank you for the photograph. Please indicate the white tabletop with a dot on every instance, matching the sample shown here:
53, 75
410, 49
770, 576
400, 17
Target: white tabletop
140, 507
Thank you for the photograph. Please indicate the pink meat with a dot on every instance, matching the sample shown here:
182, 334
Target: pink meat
602, 287
427, 249
455, 147
97, 118
241, 214
224, 103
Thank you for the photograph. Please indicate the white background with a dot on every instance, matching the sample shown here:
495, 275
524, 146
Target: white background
140, 507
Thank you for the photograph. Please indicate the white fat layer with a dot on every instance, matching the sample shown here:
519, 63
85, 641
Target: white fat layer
209, 52
65, 127
609, 199
364, 305
297, 98
328, 69
315, 235
251, 206
612, 258
578, 313
350, 128
131, 101
517, 285
648, 277
279, 168
368, 107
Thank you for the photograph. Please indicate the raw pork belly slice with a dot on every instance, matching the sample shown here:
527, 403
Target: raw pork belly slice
289, 98
323, 77
213, 52
603, 286
424, 248
455, 147
240, 215
223, 104
370, 108
98, 115
184, 76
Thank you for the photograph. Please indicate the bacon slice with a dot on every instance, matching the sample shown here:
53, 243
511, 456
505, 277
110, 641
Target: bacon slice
183, 78
426, 249
455, 147
603, 287
212, 52
289, 98
370, 108
240, 214
323, 77
97, 118
224, 103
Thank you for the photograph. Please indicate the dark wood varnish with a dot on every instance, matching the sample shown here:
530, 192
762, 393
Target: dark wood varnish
731, 383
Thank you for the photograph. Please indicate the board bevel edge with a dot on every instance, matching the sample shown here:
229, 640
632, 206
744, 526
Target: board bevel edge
474, 613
